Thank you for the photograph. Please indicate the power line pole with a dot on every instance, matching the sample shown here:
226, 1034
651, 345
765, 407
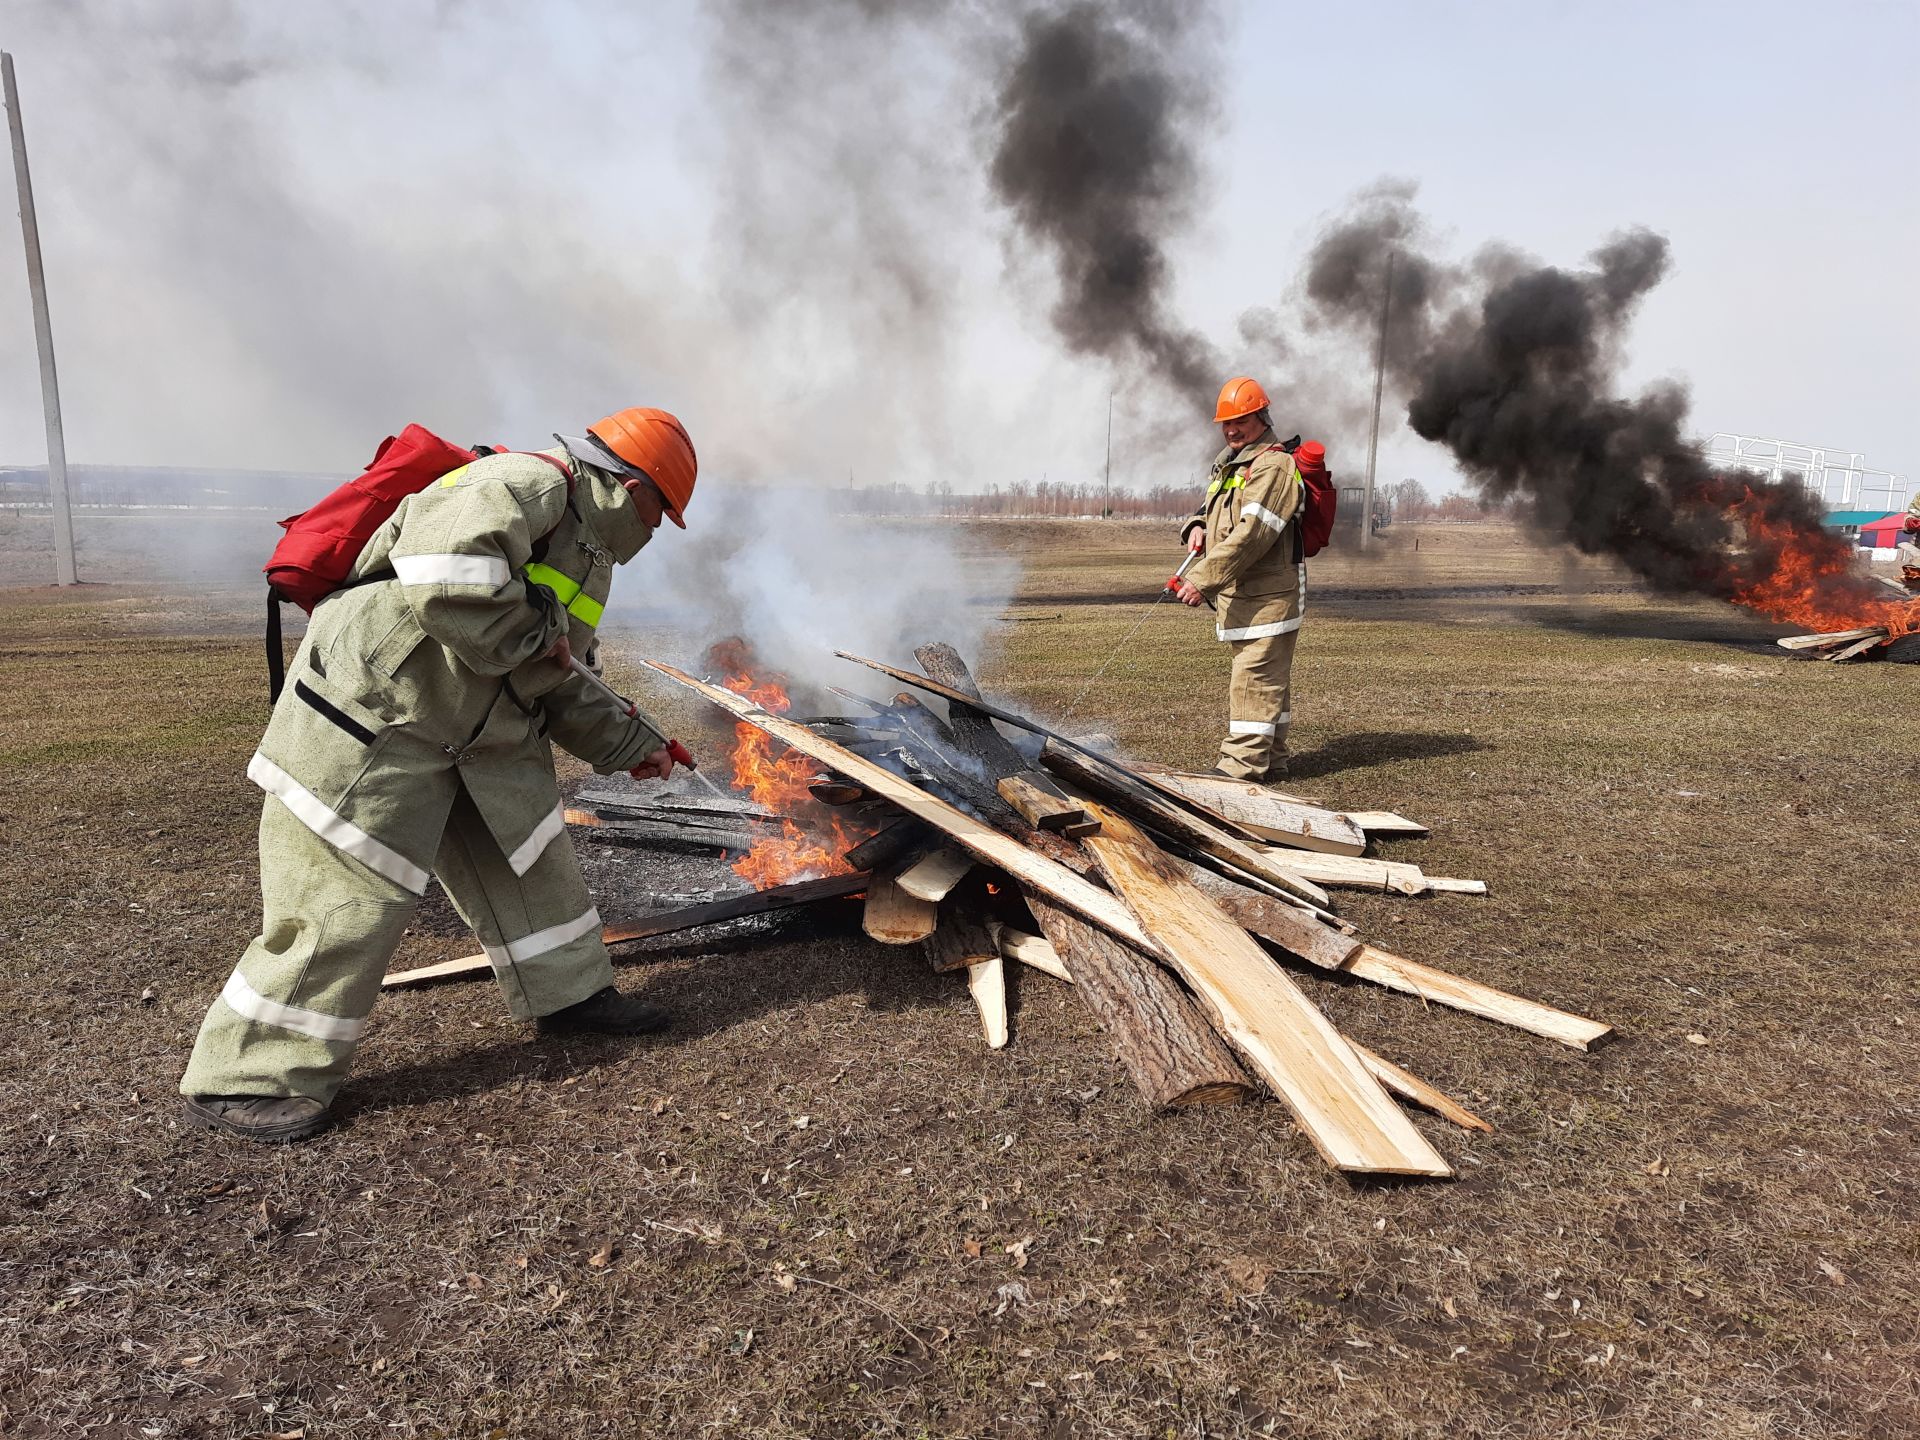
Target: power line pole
1379, 383
63, 566
1106, 485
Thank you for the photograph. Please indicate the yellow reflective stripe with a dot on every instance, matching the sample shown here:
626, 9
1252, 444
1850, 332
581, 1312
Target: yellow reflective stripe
452, 477
567, 591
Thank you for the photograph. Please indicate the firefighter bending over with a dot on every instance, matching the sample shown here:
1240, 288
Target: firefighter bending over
414, 740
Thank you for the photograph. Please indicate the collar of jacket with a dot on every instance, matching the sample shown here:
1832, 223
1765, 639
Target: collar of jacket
606, 508
1231, 456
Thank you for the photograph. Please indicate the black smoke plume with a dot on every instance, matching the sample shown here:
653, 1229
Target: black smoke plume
1095, 153
1515, 368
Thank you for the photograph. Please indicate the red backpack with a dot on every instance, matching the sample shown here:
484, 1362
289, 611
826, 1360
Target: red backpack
1318, 498
321, 545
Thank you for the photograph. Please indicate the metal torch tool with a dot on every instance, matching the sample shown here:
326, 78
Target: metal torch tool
1171, 587
680, 754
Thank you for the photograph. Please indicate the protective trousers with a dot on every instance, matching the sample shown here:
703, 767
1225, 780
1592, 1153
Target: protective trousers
1259, 707
293, 1011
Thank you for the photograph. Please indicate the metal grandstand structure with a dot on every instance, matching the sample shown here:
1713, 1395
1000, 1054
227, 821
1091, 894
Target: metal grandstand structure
1841, 478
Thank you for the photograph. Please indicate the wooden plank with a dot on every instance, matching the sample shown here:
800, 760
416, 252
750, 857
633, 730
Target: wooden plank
732, 907
1385, 822
1859, 647
1253, 809
987, 984
1034, 950
982, 840
1046, 811
1341, 1108
1443, 988
1157, 1031
1821, 642
1274, 919
960, 939
880, 850
894, 917
1355, 872
1409, 1086
933, 875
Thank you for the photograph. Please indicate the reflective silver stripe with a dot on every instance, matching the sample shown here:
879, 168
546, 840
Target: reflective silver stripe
248, 1002
531, 947
535, 845
1259, 632
1251, 727
488, 570
1264, 516
334, 828
1303, 587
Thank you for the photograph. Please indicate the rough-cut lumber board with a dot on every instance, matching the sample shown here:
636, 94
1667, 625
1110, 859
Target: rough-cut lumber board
1186, 826
1252, 809
1409, 1086
1341, 1108
1859, 647
1821, 642
1023, 864
650, 833
732, 907
961, 938
1157, 1031
973, 732
987, 984
933, 876
1447, 885
1385, 822
1034, 950
1274, 919
1046, 811
1443, 988
1149, 767
1353, 871
894, 917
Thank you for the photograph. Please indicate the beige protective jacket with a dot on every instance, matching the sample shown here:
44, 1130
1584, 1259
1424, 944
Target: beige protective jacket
424, 675
1251, 570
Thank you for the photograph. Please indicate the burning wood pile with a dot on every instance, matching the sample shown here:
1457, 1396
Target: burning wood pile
1862, 642
1166, 898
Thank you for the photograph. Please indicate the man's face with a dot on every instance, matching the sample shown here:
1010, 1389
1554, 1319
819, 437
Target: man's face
1242, 429
646, 500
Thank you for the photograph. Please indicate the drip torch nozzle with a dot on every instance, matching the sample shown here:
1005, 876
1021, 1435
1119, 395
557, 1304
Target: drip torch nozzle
1180, 574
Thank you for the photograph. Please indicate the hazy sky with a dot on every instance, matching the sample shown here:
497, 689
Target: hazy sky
276, 234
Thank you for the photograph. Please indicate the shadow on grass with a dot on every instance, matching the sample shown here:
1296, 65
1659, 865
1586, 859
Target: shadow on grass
1356, 752
802, 959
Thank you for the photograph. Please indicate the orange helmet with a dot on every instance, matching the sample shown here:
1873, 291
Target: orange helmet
656, 444
1241, 395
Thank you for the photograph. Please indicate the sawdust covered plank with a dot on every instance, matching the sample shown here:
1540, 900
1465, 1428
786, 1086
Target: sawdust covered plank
1340, 1106
987, 984
1022, 863
1441, 987
894, 917
933, 876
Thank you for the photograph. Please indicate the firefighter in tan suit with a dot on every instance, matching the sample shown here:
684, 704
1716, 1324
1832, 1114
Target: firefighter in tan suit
1252, 574
1907, 555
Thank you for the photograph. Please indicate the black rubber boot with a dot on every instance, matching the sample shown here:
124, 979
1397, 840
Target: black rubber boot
605, 1012
263, 1119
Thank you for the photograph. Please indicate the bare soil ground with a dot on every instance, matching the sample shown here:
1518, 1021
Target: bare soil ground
818, 1206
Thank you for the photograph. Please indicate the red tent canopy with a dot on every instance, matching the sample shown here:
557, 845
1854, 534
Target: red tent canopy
1884, 532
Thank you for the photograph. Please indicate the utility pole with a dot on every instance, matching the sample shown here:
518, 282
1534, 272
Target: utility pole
63, 567
1379, 383
1106, 485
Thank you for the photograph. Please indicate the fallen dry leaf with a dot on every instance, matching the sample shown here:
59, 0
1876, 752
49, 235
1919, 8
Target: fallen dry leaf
1657, 1166
1453, 1310
784, 1280
1248, 1272
1018, 1250
602, 1257
1832, 1274
659, 1106
1696, 1038
973, 1248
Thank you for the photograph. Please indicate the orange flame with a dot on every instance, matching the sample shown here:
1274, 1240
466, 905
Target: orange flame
776, 778
1813, 582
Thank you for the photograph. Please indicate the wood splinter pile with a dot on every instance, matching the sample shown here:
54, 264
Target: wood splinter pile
1165, 898
1838, 644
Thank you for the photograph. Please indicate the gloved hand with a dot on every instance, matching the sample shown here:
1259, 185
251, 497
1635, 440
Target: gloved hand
657, 766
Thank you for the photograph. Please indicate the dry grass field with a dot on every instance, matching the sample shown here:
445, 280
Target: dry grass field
818, 1206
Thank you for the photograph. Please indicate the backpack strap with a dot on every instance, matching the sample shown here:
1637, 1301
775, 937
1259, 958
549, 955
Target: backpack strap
276, 657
